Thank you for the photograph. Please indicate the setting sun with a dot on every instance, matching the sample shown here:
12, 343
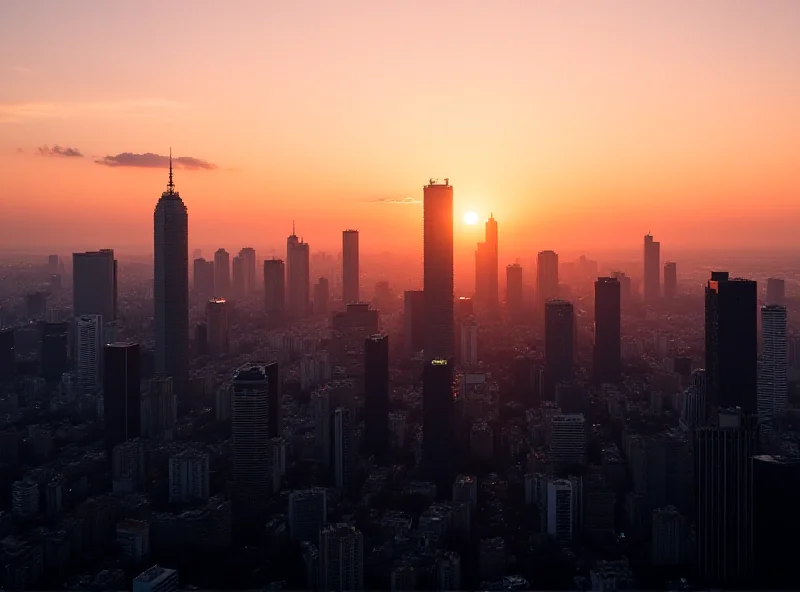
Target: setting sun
470, 218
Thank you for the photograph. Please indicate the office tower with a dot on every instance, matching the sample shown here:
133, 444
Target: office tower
563, 509
438, 269
321, 296
121, 397
8, 355
222, 273
625, 287
252, 450
652, 268
413, 321
343, 441
94, 284
238, 279
772, 386
670, 537
274, 410
568, 438
350, 277
437, 418
486, 267
724, 488
376, 396
546, 277
204, 278
297, 276
247, 255
559, 340
464, 308
695, 409
321, 416
156, 579
274, 287
514, 300
54, 355
349, 330
731, 342
308, 513
607, 338
188, 476
89, 349
217, 326
341, 558
776, 291
159, 409
469, 342
127, 466
670, 279
171, 287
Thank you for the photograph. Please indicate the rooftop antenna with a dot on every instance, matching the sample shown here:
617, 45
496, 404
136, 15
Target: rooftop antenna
170, 185
293, 233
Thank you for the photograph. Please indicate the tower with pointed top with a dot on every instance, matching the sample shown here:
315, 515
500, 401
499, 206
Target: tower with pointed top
298, 280
171, 286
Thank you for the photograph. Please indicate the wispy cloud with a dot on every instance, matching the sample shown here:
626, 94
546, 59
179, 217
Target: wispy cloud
58, 151
409, 201
21, 69
148, 160
32, 110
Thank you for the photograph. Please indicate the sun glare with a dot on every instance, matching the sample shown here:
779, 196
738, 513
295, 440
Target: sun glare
470, 218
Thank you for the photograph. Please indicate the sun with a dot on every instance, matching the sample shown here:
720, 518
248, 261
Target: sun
470, 218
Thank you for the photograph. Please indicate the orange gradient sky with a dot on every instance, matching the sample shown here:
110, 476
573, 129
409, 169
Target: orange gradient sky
581, 125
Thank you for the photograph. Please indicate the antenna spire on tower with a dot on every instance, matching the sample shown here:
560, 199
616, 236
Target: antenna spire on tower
293, 233
170, 185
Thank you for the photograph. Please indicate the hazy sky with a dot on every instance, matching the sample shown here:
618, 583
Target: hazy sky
579, 124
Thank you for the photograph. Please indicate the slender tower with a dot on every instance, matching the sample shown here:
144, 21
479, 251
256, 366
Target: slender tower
438, 270
350, 266
171, 286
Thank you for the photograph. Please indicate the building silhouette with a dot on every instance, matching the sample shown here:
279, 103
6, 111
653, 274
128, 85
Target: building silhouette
344, 453
486, 267
274, 289
772, 383
247, 256
670, 279
514, 298
413, 321
350, 273
54, 353
321, 296
438, 269
217, 329
297, 276
171, 287
652, 268
121, 393
94, 284
274, 409
8, 355
607, 331
89, 350
776, 291
559, 340
203, 278
546, 277
238, 278
341, 558
437, 420
222, 273
376, 396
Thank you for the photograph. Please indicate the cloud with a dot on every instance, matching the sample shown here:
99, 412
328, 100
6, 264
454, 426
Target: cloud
394, 200
148, 160
33, 110
58, 151
21, 69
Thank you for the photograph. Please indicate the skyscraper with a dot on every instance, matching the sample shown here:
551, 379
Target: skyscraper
731, 342
772, 386
248, 257
376, 395
94, 284
607, 331
546, 277
121, 393
274, 409
89, 349
438, 269
343, 454
652, 268
274, 287
486, 267
437, 418
8, 355
238, 278
413, 321
203, 278
171, 287
217, 336
559, 340
252, 451
321, 296
298, 281
341, 558
776, 291
222, 273
670, 279
54, 356
514, 300
350, 277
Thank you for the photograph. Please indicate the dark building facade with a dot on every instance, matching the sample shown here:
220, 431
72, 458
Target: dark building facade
350, 274
413, 321
8, 355
272, 371
55, 350
670, 279
121, 393
559, 340
438, 270
607, 331
376, 396
203, 273
437, 419
321, 296
274, 289
486, 269
514, 299
776, 291
652, 268
94, 284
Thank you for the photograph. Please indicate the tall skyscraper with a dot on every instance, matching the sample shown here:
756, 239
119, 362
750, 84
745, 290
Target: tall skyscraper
725, 498
248, 257
731, 342
376, 396
171, 287
652, 268
514, 299
121, 393
559, 340
413, 321
54, 355
274, 287
89, 349
222, 273
344, 456
776, 291
298, 281
252, 450
468, 333
670, 279
350, 277
607, 331
341, 558
217, 336
437, 418
486, 267
203, 278
772, 386
321, 296
238, 278
546, 277
94, 284
438, 269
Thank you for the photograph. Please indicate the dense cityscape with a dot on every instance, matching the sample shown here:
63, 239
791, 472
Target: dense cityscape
350, 421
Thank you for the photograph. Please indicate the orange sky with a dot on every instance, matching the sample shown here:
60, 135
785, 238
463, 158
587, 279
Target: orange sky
581, 125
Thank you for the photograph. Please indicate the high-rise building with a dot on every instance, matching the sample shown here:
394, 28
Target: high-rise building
563, 508
724, 485
248, 258
568, 438
252, 450
94, 284
321, 415
159, 409
274, 410
349, 330
298, 280
652, 268
625, 287
8, 355
217, 336
670, 537
413, 321
89, 349
274, 287
437, 418
376, 396
776, 291
695, 409
486, 267
188, 476
514, 300
321, 296
559, 340
222, 273
468, 351
204, 278
670, 279
341, 558
156, 579
731, 342
308, 513
772, 385
350, 277
121, 393
607, 331
171, 287
238, 278
546, 277
54, 356
344, 456
438, 269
